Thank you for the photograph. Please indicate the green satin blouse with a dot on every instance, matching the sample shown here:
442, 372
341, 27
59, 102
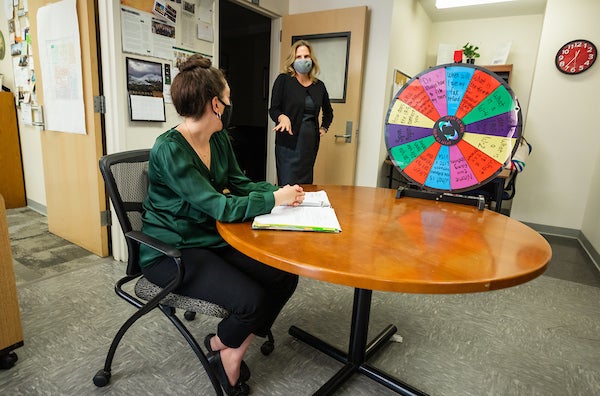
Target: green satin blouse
185, 198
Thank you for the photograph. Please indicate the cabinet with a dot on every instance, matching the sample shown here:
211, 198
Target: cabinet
11, 332
503, 71
12, 184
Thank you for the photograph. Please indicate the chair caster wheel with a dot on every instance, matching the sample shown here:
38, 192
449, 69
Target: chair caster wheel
189, 315
267, 347
102, 378
8, 360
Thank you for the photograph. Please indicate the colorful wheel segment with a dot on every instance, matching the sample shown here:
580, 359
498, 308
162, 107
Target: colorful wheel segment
452, 127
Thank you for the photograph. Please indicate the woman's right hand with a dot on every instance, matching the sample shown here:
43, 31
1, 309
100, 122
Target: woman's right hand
283, 125
289, 195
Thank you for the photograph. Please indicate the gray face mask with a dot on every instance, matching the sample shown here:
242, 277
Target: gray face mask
302, 66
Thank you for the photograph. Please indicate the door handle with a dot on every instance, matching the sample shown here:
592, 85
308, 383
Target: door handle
348, 135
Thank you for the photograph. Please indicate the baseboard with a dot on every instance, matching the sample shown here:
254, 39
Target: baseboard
570, 233
590, 250
41, 209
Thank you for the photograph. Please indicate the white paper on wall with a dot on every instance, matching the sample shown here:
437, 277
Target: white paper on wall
60, 60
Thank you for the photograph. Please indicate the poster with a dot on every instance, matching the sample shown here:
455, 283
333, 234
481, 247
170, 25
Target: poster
60, 60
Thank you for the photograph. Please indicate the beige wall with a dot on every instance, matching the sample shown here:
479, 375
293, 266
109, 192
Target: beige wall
409, 38
523, 34
560, 184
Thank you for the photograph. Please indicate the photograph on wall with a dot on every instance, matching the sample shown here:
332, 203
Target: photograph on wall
145, 88
164, 29
15, 49
163, 9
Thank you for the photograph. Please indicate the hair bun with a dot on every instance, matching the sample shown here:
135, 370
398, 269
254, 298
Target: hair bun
195, 61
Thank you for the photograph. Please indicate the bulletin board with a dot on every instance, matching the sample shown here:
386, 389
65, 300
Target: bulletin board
169, 31
17, 45
452, 127
156, 28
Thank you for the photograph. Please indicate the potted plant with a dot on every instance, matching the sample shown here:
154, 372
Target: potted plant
470, 52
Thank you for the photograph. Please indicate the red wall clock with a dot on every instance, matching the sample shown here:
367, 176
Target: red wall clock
576, 56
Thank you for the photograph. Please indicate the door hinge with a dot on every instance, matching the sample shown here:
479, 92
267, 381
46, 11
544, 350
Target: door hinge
280, 33
105, 218
99, 104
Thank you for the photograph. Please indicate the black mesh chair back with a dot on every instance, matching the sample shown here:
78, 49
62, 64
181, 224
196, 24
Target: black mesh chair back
126, 179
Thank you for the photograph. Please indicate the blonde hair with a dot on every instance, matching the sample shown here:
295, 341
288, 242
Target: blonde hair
288, 64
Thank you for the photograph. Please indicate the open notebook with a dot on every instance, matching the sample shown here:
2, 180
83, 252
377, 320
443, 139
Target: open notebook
315, 214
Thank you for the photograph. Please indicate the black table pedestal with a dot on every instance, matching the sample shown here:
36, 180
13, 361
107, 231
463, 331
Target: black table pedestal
355, 361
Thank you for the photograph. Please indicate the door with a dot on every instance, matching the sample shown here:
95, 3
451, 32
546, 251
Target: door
336, 160
243, 35
75, 195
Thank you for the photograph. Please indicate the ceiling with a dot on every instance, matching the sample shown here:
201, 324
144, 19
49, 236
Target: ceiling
511, 8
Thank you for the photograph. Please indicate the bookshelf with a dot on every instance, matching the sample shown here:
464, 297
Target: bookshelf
504, 71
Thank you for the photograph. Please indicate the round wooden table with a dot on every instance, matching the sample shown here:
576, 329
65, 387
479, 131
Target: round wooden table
409, 245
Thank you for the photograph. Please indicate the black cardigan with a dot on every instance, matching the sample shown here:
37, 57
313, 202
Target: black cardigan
288, 98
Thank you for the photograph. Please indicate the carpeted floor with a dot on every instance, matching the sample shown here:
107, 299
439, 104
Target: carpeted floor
540, 338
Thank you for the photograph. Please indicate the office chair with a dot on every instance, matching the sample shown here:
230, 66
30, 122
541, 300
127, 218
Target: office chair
126, 178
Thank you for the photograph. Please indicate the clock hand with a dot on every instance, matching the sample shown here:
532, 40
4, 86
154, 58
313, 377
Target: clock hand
574, 58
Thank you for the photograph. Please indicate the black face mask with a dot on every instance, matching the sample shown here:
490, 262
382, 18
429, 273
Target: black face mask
226, 116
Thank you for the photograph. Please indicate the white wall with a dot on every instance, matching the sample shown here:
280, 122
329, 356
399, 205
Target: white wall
558, 185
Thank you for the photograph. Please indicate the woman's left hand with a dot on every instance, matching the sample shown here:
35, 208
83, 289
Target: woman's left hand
322, 131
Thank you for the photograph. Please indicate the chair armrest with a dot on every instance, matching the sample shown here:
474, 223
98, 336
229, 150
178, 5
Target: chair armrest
154, 243
167, 250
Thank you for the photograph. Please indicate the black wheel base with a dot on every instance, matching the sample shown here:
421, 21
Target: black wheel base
8, 360
189, 315
267, 347
102, 378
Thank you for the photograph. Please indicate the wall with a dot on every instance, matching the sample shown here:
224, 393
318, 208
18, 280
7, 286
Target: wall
524, 35
31, 146
590, 228
409, 38
558, 185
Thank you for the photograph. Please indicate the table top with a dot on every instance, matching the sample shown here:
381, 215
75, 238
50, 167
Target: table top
403, 244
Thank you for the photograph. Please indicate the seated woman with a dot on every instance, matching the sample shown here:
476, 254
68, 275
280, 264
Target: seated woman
189, 168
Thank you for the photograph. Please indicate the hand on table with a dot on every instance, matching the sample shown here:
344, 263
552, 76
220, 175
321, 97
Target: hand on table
289, 195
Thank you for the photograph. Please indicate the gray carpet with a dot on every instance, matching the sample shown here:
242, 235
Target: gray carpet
540, 338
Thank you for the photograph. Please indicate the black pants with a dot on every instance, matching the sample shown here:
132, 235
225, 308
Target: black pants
251, 291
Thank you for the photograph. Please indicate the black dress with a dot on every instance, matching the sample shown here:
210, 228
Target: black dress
295, 166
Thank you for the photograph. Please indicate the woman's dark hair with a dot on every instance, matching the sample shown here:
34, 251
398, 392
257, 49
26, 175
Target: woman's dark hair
195, 85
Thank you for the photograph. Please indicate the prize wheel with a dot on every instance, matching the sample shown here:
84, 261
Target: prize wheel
452, 127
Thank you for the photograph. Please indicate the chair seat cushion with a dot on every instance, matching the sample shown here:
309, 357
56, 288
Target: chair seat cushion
146, 290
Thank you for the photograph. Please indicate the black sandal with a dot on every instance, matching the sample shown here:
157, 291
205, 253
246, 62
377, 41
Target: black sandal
239, 389
244, 369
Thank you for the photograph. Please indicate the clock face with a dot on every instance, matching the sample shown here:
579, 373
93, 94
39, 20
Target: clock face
576, 56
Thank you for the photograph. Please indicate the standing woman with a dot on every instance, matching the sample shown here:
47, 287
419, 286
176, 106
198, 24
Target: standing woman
297, 98
190, 166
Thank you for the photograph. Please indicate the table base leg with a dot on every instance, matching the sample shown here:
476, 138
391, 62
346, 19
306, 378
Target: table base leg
358, 352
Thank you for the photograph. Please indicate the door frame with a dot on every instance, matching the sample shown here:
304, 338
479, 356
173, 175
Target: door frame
114, 139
